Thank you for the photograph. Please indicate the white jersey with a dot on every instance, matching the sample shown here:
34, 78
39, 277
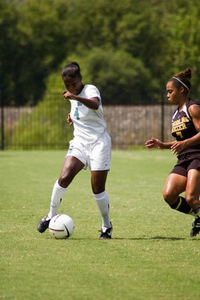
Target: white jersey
89, 124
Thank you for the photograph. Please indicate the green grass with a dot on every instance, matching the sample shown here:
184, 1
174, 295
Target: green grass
151, 255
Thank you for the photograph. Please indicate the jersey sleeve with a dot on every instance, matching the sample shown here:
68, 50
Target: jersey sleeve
92, 92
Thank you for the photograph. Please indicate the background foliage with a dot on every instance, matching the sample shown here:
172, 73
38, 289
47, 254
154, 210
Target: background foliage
129, 49
42, 126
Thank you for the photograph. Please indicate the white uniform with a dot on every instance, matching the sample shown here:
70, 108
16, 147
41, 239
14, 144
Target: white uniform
91, 143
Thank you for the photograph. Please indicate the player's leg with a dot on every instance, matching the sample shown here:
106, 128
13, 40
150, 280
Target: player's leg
71, 167
98, 182
192, 196
100, 157
174, 186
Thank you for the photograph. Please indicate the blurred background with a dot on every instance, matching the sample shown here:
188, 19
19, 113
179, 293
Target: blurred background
128, 49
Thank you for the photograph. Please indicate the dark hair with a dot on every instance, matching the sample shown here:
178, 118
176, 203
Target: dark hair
71, 70
182, 79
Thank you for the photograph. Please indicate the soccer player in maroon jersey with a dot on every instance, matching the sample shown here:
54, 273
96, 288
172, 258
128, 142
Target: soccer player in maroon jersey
185, 176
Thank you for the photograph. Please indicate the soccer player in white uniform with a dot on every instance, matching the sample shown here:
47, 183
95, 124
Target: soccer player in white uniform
90, 147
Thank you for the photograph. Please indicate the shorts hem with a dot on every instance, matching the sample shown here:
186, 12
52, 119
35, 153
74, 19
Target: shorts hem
76, 158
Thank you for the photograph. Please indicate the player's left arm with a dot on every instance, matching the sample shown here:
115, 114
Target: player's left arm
177, 147
92, 103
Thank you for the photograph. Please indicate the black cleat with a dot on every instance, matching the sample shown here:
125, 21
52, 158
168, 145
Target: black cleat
43, 224
106, 233
195, 227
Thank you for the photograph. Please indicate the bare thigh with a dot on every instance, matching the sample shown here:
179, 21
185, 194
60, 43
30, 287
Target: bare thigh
174, 186
71, 167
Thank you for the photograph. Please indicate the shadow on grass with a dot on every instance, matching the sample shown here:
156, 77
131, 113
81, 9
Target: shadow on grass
152, 238
134, 239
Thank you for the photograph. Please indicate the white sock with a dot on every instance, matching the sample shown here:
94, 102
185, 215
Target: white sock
56, 197
102, 201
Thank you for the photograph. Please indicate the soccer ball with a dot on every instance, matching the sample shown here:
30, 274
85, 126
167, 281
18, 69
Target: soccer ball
61, 226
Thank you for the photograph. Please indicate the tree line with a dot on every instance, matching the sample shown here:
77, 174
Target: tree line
126, 48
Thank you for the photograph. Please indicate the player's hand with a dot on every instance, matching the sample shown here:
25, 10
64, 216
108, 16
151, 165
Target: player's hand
178, 147
69, 120
68, 95
154, 143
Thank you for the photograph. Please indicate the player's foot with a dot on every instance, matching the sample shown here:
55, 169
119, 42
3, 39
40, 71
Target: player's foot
195, 227
106, 233
43, 224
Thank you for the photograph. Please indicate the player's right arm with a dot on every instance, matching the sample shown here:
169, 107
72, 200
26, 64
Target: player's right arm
92, 103
156, 143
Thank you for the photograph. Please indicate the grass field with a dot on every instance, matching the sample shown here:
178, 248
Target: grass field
151, 255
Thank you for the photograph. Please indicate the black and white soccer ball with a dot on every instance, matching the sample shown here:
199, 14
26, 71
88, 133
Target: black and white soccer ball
61, 226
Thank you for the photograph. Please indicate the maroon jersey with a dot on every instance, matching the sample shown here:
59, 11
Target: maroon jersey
183, 126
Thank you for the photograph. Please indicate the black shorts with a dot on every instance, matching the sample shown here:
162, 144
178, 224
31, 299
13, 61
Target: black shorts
184, 165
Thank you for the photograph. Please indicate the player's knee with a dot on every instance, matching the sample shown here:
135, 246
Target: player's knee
97, 189
64, 180
165, 196
98, 186
169, 197
190, 198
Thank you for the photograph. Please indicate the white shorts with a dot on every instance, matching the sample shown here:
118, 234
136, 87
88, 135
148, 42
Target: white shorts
96, 156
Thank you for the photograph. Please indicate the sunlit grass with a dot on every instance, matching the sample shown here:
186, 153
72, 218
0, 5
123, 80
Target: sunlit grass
151, 255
